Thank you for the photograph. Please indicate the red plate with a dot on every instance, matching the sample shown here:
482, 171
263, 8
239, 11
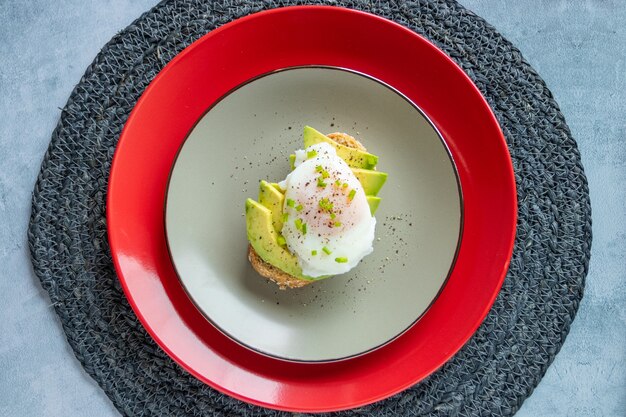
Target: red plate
226, 58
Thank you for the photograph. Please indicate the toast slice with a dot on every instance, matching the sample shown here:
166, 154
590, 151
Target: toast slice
269, 271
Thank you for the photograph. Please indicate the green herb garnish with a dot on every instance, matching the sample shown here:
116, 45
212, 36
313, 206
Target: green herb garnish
326, 205
300, 225
326, 250
321, 183
290, 202
311, 154
313, 252
351, 195
299, 207
341, 260
281, 240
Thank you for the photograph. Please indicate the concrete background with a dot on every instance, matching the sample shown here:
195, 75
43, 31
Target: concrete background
578, 46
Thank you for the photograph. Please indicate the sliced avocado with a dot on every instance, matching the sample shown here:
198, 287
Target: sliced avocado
263, 239
275, 185
272, 199
353, 157
372, 181
373, 202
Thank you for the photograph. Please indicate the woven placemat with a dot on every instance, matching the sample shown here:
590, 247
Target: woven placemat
491, 375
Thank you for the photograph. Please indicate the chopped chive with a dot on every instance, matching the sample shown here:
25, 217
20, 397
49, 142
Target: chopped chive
300, 226
341, 260
319, 168
320, 182
326, 250
326, 205
285, 217
345, 185
313, 252
337, 183
333, 215
311, 154
325, 174
351, 194
281, 240
299, 207
290, 202
337, 224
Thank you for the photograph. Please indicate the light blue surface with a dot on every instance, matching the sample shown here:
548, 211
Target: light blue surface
579, 48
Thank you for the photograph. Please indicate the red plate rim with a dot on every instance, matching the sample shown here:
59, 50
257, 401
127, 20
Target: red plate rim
250, 46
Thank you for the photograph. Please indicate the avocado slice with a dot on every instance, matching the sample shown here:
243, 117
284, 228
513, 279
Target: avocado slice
273, 200
263, 239
275, 185
353, 157
372, 181
373, 203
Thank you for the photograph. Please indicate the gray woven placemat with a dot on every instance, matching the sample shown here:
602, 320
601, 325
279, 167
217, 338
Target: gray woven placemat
491, 375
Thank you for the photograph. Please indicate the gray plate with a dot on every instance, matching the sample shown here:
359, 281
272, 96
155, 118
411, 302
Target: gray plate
247, 136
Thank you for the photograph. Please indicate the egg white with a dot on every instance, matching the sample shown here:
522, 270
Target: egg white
348, 236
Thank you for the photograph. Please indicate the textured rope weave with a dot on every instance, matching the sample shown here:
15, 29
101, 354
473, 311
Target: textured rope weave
491, 375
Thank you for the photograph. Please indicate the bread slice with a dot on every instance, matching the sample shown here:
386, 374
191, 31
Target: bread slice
347, 140
269, 271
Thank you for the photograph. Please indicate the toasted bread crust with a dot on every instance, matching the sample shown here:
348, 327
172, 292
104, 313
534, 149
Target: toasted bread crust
269, 271
347, 140
277, 275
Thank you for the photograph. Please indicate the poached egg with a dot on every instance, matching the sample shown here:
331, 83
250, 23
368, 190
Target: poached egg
328, 225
